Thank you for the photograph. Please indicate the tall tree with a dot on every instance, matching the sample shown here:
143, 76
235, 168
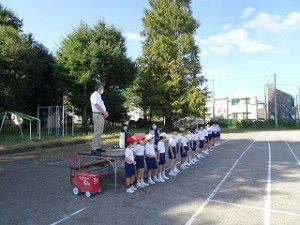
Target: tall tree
91, 53
169, 77
9, 18
26, 67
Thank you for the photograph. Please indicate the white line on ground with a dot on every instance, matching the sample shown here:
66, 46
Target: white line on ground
267, 206
50, 163
253, 207
290, 149
68, 216
223, 142
214, 192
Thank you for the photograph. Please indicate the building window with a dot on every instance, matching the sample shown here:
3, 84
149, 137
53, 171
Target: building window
245, 101
234, 115
246, 115
235, 101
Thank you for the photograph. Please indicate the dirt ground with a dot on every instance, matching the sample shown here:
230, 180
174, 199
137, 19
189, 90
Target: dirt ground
250, 178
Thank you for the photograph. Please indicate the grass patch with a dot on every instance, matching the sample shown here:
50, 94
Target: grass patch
13, 140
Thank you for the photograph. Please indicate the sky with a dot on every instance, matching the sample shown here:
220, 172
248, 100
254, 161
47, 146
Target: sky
243, 43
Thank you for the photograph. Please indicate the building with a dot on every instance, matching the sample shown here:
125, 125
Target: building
283, 100
240, 105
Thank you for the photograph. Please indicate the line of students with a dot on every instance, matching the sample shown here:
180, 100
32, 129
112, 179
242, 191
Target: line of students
143, 149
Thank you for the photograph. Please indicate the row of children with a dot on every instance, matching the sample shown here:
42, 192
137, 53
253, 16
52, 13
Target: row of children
155, 152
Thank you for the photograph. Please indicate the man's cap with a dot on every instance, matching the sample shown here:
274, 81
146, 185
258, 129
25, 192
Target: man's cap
130, 140
99, 84
149, 137
140, 137
163, 134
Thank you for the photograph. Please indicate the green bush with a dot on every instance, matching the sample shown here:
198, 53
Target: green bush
269, 123
286, 122
258, 124
236, 123
247, 123
224, 123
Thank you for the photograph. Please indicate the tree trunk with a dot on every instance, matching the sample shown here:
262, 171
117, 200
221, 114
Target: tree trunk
85, 127
168, 124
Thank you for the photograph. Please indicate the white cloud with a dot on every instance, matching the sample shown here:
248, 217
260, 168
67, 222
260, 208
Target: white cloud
266, 23
236, 41
216, 71
248, 12
259, 62
226, 27
203, 53
133, 36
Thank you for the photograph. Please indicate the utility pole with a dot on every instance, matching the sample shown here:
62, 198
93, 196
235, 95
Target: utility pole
275, 102
266, 100
246, 102
227, 111
296, 116
213, 87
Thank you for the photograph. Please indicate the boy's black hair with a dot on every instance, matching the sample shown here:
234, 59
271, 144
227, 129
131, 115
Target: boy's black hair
188, 129
160, 138
176, 129
193, 129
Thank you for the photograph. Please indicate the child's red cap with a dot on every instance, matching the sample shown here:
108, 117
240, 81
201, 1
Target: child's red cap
140, 137
130, 140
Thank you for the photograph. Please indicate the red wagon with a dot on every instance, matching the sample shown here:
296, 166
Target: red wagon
83, 181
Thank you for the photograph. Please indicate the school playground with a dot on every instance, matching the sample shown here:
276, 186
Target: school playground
249, 178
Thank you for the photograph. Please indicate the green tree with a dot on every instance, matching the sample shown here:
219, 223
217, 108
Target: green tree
89, 54
8, 18
169, 79
13, 80
26, 68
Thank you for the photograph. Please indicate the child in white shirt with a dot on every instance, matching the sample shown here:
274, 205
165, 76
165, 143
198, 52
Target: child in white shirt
172, 151
151, 159
139, 151
129, 165
162, 157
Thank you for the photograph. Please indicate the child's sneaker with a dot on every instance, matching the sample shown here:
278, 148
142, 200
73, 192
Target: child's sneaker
129, 190
172, 173
144, 184
133, 188
155, 179
165, 177
150, 181
176, 170
139, 185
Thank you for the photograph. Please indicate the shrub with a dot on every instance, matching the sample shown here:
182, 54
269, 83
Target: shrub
236, 123
286, 122
224, 123
258, 124
246, 123
268, 123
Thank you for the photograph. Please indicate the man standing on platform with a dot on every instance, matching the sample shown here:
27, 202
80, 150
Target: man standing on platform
99, 116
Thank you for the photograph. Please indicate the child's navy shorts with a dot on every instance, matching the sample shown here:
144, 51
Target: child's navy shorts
201, 144
194, 146
151, 163
183, 154
173, 149
162, 158
218, 134
214, 134
206, 139
129, 169
139, 162
209, 137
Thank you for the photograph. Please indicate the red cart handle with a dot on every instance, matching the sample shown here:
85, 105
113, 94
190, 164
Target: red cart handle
71, 158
